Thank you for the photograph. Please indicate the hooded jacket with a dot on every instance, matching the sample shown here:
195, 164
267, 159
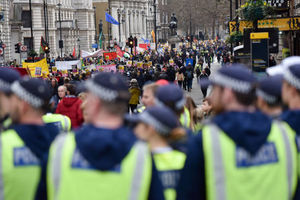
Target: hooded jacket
70, 106
105, 148
247, 130
38, 140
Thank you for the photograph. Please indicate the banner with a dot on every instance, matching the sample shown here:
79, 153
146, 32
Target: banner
67, 65
106, 68
37, 69
121, 68
86, 54
110, 55
144, 46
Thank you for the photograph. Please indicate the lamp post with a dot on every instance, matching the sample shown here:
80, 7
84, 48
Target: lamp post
61, 44
78, 42
119, 17
154, 4
95, 27
108, 29
31, 31
129, 29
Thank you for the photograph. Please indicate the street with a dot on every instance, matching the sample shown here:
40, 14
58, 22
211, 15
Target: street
196, 93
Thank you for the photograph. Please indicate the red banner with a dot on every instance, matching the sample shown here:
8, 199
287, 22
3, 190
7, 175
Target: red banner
110, 55
144, 46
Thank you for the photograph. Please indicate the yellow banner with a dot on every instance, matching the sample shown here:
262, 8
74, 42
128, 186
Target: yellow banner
37, 69
283, 24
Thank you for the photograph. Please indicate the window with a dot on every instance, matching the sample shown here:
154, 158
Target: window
26, 18
27, 42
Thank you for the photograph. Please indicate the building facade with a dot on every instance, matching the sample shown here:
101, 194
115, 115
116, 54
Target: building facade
5, 32
75, 25
136, 19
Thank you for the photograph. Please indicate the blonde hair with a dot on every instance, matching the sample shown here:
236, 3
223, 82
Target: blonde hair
152, 86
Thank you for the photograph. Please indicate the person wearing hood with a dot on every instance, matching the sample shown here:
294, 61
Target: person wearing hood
158, 126
103, 159
241, 153
25, 145
291, 97
268, 95
71, 107
7, 77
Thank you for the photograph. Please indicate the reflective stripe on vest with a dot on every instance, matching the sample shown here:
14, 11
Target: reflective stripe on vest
185, 118
67, 126
1, 173
56, 164
289, 163
218, 166
141, 148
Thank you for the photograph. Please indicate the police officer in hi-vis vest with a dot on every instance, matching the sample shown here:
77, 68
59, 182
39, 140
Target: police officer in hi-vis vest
159, 126
291, 97
7, 77
103, 159
241, 153
24, 146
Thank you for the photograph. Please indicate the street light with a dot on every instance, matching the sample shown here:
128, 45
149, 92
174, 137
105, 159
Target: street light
119, 17
31, 31
78, 42
61, 43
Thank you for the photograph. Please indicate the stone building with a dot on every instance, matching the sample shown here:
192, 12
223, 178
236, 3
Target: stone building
77, 25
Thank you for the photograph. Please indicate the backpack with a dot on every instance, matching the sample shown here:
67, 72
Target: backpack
198, 71
189, 74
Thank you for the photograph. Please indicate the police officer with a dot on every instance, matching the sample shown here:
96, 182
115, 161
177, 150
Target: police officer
241, 154
7, 77
62, 122
103, 159
24, 147
158, 126
172, 96
269, 95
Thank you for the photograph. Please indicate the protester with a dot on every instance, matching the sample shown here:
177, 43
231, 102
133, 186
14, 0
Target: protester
71, 107
135, 94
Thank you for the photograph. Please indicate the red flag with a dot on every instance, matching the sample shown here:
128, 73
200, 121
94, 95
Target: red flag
74, 53
119, 51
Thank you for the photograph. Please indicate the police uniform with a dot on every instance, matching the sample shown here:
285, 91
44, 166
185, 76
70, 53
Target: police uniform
240, 154
62, 122
292, 117
168, 161
102, 163
24, 148
7, 77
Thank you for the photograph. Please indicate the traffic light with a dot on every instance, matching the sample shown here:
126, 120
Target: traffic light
130, 42
47, 49
135, 41
17, 48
